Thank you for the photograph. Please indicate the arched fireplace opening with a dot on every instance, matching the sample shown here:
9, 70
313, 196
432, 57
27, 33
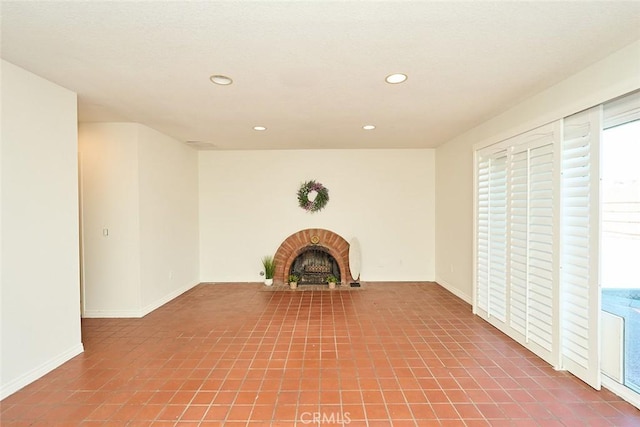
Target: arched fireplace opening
330, 242
313, 264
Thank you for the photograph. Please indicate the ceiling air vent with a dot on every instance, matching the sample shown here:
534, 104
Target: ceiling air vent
201, 145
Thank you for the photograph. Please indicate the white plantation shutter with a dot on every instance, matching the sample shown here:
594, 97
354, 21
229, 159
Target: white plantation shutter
519, 222
540, 191
482, 233
497, 238
491, 231
541, 243
580, 300
516, 237
531, 241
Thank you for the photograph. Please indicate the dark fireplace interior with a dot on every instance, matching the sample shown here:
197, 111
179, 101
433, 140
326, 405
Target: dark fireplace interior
313, 265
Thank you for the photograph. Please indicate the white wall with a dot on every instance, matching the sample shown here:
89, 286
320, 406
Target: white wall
110, 195
141, 186
39, 280
609, 78
385, 198
169, 262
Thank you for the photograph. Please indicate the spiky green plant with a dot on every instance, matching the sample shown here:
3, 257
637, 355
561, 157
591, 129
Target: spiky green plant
269, 266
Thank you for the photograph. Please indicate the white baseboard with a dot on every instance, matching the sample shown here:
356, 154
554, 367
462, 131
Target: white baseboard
115, 314
464, 297
110, 314
165, 299
38, 372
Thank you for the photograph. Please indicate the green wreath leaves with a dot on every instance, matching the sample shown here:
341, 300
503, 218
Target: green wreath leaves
312, 196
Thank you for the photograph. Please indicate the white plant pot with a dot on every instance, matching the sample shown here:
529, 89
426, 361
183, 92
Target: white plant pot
293, 285
268, 282
332, 285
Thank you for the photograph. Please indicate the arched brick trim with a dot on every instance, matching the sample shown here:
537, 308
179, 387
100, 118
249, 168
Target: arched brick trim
294, 244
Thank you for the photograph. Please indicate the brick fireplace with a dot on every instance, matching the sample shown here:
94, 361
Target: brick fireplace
299, 242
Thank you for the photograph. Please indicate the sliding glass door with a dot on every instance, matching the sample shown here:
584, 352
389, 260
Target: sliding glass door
620, 249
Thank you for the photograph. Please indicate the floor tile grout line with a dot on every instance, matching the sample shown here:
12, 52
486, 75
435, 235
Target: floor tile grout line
473, 356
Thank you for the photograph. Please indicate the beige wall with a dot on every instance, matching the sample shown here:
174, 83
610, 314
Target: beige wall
385, 198
39, 274
615, 75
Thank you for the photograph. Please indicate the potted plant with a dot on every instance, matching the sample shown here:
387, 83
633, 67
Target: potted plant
269, 269
331, 280
293, 281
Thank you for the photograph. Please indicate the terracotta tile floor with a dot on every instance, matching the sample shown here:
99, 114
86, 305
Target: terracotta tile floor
404, 354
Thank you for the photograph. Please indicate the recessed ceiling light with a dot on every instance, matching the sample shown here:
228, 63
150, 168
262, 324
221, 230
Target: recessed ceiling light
221, 80
368, 127
395, 78
259, 128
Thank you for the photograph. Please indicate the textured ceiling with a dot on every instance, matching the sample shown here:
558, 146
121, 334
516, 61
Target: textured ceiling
312, 72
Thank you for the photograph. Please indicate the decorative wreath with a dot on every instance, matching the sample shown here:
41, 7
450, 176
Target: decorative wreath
312, 196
